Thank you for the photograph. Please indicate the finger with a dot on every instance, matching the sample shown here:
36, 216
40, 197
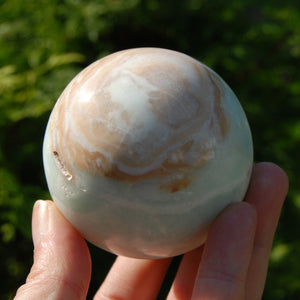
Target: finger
267, 191
131, 278
183, 284
227, 252
62, 265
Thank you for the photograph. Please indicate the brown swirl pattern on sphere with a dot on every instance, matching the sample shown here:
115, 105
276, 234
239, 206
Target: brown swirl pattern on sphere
139, 114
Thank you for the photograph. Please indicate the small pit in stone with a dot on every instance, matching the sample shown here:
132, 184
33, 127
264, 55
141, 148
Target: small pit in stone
61, 166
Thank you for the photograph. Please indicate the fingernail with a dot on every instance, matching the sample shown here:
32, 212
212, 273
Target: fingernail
40, 221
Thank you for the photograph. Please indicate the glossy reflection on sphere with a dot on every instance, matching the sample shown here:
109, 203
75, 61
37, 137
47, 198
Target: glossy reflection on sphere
143, 149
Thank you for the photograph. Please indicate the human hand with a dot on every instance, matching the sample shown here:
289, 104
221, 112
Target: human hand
231, 265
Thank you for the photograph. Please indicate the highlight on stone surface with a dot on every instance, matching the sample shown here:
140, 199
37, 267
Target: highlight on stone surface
143, 149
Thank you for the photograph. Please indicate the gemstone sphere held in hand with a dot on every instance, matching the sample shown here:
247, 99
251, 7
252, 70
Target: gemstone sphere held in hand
143, 149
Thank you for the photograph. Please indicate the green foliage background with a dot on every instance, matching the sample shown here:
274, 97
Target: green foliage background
253, 45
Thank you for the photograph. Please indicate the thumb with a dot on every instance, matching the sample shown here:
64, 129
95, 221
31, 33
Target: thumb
62, 264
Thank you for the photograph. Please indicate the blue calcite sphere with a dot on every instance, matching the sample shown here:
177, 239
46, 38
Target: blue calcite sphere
143, 149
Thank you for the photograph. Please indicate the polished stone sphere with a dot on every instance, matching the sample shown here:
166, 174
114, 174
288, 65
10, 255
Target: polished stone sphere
143, 149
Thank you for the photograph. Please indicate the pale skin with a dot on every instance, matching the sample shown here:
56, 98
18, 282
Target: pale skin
232, 264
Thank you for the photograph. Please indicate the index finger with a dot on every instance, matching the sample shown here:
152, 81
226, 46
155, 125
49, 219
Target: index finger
267, 191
